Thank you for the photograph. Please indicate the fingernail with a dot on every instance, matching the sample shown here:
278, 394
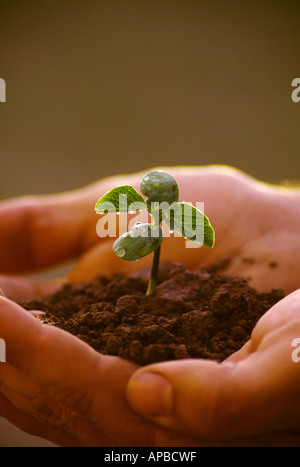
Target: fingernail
151, 394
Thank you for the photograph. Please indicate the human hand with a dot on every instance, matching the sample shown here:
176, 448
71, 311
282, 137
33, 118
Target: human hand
256, 226
55, 386
37, 233
250, 399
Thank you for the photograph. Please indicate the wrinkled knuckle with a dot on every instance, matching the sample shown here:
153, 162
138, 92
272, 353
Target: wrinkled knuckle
46, 409
78, 405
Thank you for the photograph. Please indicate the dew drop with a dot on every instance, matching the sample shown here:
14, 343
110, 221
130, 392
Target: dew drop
146, 178
120, 251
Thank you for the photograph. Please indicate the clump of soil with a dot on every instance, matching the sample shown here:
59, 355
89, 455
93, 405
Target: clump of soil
193, 314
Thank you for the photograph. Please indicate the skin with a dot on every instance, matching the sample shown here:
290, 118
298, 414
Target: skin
57, 387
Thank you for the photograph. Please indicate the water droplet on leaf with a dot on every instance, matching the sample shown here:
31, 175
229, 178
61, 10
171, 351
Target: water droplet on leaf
120, 251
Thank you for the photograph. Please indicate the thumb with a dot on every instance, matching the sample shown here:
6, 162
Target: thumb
213, 400
189, 396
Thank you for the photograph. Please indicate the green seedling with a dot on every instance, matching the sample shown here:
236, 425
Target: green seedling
162, 193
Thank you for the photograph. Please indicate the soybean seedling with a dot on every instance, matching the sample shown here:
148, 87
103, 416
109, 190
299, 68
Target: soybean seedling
162, 204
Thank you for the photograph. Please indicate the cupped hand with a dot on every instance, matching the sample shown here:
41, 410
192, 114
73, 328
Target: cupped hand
55, 386
256, 228
252, 398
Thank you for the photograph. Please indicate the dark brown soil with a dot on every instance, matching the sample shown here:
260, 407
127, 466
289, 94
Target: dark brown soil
193, 314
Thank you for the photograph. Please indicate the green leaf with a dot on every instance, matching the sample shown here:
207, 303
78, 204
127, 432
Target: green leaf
191, 223
160, 187
141, 240
120, 199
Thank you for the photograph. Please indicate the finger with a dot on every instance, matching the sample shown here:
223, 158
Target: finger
21, 290
90, 387
33, 406
253, 395
217, 187
43, 230
30, 425
101, 259
201, 398
33, 378
28, 351
40, 231
30, 406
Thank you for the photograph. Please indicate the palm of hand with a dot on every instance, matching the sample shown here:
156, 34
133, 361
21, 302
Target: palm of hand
256, 226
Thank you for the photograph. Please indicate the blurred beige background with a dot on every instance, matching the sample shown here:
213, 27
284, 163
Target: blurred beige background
96, 88
101, 87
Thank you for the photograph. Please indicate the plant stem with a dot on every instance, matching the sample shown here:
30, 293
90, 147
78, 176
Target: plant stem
154, 273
